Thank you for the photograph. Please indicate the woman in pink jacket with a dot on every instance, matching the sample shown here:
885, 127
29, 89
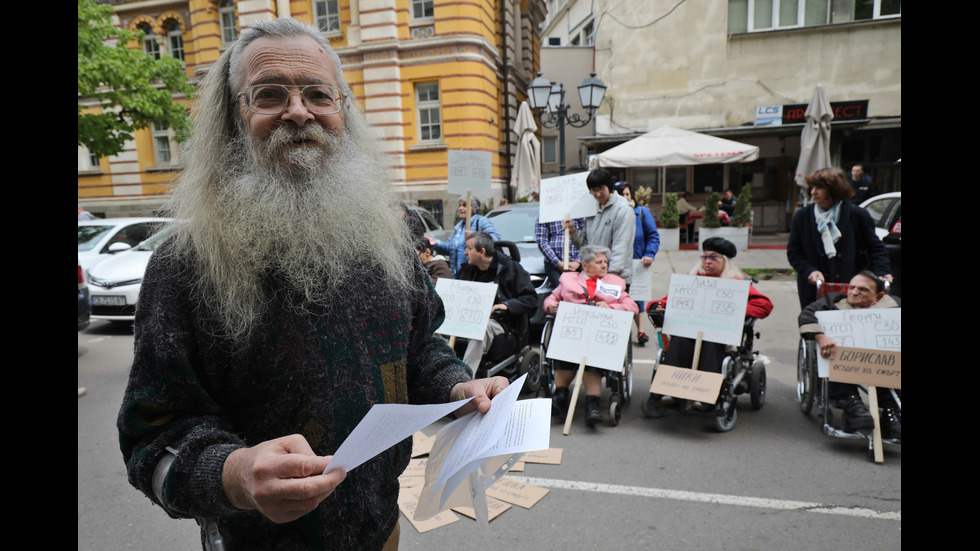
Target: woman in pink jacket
593, 286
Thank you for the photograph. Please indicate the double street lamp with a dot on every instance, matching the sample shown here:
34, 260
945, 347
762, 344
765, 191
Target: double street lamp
547, 95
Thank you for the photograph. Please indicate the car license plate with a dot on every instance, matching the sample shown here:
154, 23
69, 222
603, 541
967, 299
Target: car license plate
108, 300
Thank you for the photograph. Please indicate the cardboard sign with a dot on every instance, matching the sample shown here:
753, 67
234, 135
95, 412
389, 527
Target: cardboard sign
495, 508
869, 328
689, 384
566, 196
598, 334
861, 366
468, 305
641, 288
408, 498
713, 305
469, 171
517, 493
550, 456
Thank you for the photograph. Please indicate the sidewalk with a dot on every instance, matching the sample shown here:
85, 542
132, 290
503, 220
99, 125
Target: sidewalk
766, 251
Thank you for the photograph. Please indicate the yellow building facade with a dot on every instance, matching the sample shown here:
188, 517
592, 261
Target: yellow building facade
431, 75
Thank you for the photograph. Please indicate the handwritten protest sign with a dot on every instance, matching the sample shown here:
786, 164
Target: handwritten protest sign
468, 305
641, 288
566, 196
690, 384
469, 171
712, 305
598, 334
868, 328
860, 366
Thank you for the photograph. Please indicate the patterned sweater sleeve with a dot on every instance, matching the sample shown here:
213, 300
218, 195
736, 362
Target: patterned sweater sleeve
167, 406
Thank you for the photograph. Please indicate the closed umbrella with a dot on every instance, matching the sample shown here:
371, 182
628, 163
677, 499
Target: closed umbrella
527, 160
815, 140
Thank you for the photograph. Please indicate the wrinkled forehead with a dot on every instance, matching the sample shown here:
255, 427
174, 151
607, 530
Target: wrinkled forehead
294, 60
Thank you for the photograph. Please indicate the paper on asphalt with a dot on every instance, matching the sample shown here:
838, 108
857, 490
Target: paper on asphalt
384, 426
482, 444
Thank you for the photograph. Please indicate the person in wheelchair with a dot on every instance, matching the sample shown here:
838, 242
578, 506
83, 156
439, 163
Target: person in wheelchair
593, 286
516, 297
865, 290
716, 261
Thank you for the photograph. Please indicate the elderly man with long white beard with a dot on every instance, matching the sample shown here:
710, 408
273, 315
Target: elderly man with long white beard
287, 303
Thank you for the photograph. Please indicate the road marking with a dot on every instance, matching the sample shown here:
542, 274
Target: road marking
721, 499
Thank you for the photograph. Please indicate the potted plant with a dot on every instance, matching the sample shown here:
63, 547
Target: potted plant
670, 233
711, 227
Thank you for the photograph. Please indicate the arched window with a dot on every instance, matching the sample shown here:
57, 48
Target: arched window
150, 44
175, 40
229, 23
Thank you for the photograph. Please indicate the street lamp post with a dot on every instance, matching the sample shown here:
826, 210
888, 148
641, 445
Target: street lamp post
546, 95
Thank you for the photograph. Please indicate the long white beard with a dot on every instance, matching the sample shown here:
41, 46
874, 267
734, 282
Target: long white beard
318, 216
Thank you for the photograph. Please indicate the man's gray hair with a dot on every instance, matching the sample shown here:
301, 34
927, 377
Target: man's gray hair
217, 112
482, 241
588, 253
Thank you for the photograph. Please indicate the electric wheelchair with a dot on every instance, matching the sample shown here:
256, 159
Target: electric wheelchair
743, 371
511, 354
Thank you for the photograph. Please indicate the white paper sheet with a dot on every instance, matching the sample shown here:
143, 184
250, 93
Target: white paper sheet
482, 443
384, 426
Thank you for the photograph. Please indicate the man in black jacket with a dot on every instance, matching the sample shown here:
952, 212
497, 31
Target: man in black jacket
515, 296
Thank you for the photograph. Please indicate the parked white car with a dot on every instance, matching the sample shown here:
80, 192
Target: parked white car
99, 239
885, 210
114, 283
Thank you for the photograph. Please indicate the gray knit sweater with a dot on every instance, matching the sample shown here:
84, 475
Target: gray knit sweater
316, 374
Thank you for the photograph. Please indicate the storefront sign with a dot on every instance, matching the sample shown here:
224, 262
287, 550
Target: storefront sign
776, 115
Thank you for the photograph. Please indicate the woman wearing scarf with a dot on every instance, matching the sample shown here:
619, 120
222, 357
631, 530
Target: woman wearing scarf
832, 239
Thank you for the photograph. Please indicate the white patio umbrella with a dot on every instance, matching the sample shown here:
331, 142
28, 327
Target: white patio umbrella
815, 139
527, 159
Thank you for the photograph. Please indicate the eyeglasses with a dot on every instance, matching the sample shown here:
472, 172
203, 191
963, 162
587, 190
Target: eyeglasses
712, 257
272, 99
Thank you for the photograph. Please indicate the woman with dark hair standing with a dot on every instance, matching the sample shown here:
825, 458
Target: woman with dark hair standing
645, 247
832, 239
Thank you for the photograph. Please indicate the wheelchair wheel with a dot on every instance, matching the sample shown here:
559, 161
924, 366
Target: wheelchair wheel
531, 364
615, 409
547, 367
726, 421
806, 374
757, 385
626, 380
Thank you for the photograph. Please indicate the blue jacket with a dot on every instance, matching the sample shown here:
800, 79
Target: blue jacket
647, 241
454, 245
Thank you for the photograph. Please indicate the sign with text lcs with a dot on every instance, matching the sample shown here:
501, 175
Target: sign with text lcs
469, 171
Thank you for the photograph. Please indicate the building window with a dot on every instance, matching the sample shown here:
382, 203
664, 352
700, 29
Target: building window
229, 23
554, 41
764, 15
150, 45
175, 40
427, 106
549, 150
87, 161
162, 144
588, 35
422, 9
327, 16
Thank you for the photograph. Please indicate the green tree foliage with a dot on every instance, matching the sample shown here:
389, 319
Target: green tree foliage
133, 88
743, 207
711, 212
670, 216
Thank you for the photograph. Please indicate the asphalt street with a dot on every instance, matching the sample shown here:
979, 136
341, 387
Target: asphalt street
773, 482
